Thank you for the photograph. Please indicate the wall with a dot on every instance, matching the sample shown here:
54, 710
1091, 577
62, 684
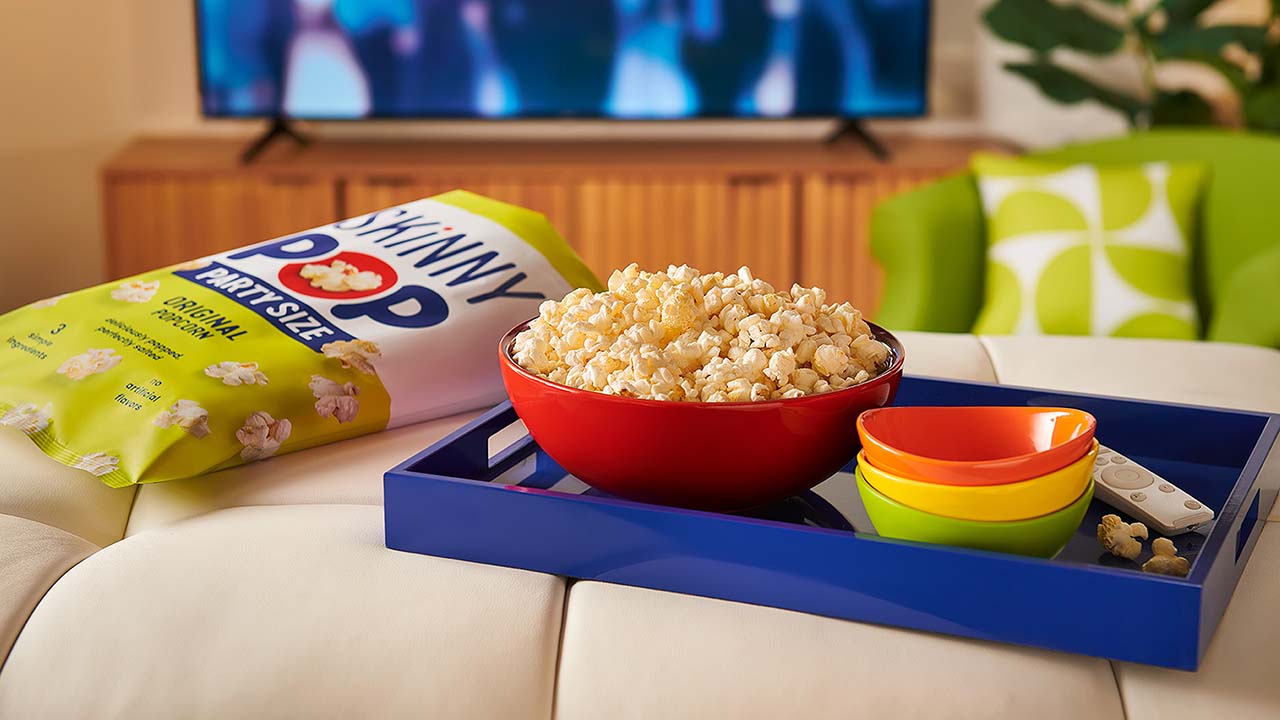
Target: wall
82, 76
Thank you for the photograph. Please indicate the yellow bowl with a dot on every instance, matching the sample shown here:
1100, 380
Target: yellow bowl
988, 503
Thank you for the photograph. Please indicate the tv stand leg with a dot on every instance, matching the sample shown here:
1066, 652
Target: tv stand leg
279, 126
855, 129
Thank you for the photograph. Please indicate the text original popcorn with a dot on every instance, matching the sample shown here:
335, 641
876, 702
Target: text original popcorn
684, 335
380, 320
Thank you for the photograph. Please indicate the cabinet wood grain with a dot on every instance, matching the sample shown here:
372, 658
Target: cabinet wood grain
793, 211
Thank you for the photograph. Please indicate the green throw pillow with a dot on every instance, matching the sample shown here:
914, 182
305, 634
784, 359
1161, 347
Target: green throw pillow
1088, 249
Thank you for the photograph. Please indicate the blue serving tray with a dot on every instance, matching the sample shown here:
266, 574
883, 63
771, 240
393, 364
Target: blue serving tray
816, 552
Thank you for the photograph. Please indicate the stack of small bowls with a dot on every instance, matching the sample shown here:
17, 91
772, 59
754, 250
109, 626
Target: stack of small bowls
1007, 479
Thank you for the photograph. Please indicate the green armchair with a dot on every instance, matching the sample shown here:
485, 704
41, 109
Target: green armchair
932, 244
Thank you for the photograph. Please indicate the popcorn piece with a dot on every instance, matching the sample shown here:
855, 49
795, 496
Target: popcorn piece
186, 414
89, 362
356, 354
197, 264
47, 302
340, 276
98, 464
262, 436
136, 291
237, 373
334, 400
683, 335
27, 417
1120, 538
1166, 561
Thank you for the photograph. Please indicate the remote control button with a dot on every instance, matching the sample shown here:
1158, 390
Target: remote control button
1192, 505
1101, 461
1119, 459
1138, 497
1126, 478
1166, 488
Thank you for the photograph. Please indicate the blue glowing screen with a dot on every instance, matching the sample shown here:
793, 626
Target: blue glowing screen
330, 59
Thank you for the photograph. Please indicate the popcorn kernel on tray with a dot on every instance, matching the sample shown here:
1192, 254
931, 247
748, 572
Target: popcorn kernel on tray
1121, 538
687, 336
1165, 560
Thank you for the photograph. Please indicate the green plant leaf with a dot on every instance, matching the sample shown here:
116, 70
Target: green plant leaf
1181, 108
1043, 25
1069, 88
1262, 109
1193, 42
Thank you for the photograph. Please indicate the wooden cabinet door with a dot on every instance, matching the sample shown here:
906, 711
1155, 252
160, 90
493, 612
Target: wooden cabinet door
712, 222
835, 231
153, 221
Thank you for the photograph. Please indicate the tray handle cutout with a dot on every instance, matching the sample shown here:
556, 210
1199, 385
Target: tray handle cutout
1247, 525
504, 439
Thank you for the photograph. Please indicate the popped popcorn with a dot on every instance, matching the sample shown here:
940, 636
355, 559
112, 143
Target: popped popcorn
186, 414
237, 373
335, 400
1165, 560
89, 362
27, 417
357, 354
262, 435
340, 276
136, 291
1121, 538
47, 302
97, 463
687, 336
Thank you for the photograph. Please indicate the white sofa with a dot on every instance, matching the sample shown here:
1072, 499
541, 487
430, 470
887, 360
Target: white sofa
266, 591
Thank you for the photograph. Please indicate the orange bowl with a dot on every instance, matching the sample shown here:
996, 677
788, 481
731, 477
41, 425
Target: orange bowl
975, 445
708, 456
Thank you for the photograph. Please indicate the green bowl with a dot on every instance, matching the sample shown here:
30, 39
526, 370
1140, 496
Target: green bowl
1044, 536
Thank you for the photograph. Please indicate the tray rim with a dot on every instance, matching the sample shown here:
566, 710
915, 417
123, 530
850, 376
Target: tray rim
1265, 443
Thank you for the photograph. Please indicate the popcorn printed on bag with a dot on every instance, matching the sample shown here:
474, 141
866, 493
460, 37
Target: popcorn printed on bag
186, 414
199, 264
28, 418
340, 276
136, 291
237, 373
334, 400
97, 463
356, 354
47, 302
262, 436
89, 362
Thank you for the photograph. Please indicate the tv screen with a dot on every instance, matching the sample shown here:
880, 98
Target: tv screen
644, 59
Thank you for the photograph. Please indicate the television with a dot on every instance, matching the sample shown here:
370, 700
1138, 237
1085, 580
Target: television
634, 59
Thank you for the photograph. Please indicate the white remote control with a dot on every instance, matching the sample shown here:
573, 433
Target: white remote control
1140, 493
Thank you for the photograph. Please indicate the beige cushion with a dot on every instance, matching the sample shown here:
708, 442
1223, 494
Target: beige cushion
32, 557
633, 653
35, 487
1199, 373
960, 357
348, 472
285, 611
1237, 678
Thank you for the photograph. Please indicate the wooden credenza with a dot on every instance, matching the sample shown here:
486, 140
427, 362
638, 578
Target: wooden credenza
792, 211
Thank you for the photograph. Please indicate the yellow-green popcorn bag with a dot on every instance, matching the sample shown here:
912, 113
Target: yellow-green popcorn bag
381, 320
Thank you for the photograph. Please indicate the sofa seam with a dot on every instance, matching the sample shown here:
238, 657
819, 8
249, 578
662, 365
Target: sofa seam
1115, 676
564, 624
991, 358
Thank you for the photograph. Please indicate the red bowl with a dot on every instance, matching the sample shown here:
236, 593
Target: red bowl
707, 456
975, 445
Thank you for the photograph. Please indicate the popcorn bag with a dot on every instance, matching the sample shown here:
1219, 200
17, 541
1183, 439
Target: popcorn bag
381, 320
